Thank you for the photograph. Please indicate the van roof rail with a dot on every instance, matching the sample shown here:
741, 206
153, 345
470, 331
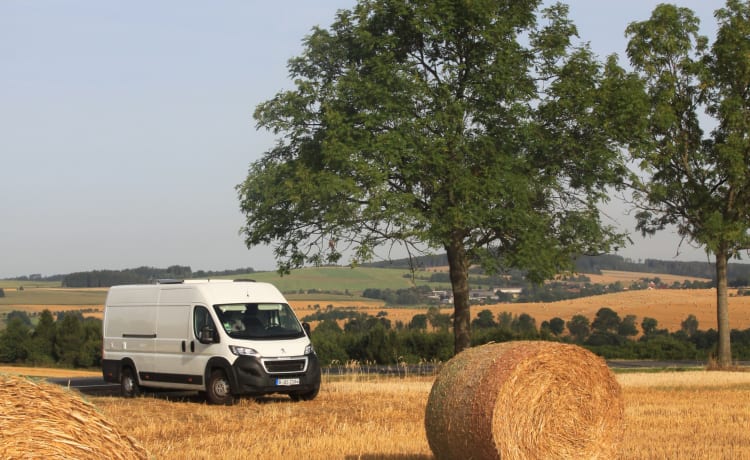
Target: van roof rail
244, 280
169, 281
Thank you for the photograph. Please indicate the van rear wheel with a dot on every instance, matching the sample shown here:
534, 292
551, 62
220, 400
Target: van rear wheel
129, 383
218, 389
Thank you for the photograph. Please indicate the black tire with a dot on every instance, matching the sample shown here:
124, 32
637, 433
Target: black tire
305, 396
129, 387
218, 389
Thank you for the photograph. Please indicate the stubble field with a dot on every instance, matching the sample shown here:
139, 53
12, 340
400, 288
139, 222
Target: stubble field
687, 415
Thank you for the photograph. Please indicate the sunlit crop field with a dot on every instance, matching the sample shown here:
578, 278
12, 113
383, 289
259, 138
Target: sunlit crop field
613, 276
697, 415
668, 306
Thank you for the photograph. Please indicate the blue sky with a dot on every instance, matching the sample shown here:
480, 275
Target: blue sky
126, 125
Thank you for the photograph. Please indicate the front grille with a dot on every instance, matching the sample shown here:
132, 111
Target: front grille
285, 366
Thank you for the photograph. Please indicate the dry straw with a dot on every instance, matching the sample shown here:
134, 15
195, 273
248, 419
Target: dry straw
42, 420
525, 400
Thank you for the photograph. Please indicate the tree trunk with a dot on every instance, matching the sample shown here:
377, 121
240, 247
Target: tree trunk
458, 265
722, 310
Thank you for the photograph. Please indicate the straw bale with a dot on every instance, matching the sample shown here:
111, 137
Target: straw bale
42, 420
525, 400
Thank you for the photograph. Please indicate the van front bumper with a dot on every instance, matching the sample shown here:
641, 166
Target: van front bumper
256, 376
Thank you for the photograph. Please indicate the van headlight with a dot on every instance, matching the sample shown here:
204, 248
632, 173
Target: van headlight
243, 351
309, 349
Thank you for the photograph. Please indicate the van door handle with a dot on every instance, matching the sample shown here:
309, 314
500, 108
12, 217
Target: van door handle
192, 346
183, 346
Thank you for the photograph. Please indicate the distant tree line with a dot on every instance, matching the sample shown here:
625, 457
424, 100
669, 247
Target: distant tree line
107, 278
739, 273
568, 288
407, 296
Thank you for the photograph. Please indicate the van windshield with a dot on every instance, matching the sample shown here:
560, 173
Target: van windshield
259, 321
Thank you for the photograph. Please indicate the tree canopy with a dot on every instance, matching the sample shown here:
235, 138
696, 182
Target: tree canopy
696, 180
476, 127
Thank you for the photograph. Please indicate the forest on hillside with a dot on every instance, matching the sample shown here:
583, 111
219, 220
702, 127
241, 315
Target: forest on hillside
739, 273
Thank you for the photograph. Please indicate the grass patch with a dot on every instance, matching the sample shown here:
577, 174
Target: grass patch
57, 296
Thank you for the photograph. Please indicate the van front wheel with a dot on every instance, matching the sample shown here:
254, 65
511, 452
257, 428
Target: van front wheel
129, 383
306, 396
218, 389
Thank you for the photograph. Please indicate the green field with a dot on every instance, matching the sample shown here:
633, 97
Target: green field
53, 296
14, 284
336, 279
334, 284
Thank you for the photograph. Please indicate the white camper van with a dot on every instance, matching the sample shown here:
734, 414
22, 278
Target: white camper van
221, 337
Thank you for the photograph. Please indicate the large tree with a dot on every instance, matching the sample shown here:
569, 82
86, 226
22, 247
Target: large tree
697, 181
475, 127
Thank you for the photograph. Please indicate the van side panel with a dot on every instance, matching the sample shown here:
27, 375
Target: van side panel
173, 347
128, 332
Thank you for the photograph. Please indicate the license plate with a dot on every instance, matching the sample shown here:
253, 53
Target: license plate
287, 382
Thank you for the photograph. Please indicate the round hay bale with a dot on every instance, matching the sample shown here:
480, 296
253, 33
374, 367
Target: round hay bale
522, 400
42, 420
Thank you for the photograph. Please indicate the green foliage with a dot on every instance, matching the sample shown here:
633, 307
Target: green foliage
20, 315
525, 326
15, 342
409, 296
69, 339
667, 347
557, 325
485, 319
495, 97
689, 326
649, 325
628, 328
331, 313
44, 339
419, 322
700, 184
606, 320
579, 327
438, 320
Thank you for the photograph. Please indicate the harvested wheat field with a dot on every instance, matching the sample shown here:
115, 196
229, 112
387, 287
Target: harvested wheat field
668, 306
47, 372
696, 415
613, 276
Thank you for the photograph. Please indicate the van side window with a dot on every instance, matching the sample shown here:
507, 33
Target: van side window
201, 319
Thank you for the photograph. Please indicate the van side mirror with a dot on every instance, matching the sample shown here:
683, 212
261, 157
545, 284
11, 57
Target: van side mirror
306, 327
208, 335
